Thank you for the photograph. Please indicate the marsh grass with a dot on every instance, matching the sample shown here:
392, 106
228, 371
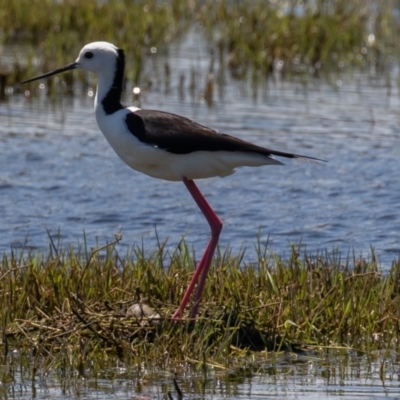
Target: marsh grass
260, 38
70, 306
52, 33
251, 40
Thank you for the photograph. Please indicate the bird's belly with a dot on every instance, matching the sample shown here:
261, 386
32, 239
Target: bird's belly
141, 157
161, 164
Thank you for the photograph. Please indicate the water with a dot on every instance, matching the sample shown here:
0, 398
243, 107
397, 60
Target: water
341, 374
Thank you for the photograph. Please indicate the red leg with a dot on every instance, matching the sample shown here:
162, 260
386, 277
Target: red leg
205, 262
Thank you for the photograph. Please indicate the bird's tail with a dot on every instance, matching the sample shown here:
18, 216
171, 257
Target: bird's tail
298, 157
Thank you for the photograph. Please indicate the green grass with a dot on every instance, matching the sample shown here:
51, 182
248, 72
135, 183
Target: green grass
249, 39
257, 38
74, 303
52, 32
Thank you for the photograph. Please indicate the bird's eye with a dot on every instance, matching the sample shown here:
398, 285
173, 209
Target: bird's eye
88, 54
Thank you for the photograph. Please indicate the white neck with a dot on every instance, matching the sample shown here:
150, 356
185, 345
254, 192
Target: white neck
103, 86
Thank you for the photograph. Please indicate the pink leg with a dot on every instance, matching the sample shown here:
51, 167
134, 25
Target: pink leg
205, 262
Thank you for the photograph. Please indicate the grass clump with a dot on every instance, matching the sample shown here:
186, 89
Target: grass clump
51, 34
250, 39
258, 38
76, 302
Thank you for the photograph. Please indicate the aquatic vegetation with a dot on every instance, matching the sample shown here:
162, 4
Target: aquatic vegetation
76, 302
248, 39
300, 37
58, 30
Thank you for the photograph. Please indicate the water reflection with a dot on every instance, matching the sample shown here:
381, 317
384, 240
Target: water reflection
317, 374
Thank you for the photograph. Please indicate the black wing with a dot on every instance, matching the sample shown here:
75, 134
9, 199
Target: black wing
180, 135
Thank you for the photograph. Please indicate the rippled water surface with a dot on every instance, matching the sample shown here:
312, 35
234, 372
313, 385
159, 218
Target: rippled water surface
312, 376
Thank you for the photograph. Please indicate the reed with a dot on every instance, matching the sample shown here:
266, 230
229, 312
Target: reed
257, 39
250, 40
50, 33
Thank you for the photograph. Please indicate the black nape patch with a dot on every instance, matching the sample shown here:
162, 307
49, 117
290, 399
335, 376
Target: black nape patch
112, 100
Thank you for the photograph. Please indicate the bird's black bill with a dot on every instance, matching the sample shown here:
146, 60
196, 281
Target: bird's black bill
56, 71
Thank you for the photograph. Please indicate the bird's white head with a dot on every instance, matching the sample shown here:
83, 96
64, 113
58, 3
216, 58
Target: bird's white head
98, 57
102, 58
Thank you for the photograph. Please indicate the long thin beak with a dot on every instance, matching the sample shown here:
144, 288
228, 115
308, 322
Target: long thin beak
56, 71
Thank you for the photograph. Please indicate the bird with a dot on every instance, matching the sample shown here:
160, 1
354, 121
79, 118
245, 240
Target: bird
167, 146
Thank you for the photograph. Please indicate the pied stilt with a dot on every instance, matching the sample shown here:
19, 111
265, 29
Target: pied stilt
166, 146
